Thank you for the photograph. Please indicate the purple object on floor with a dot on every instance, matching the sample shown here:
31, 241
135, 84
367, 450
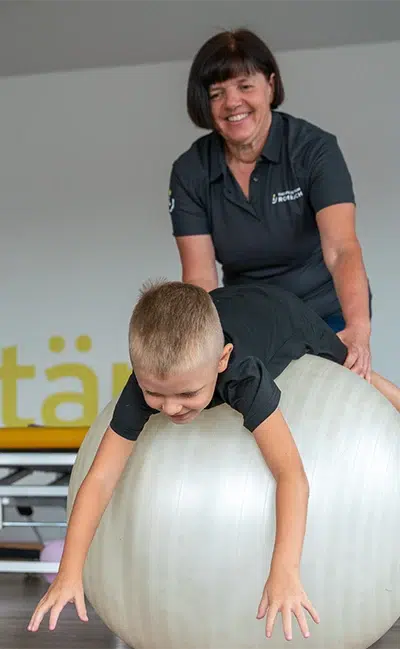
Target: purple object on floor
52, 553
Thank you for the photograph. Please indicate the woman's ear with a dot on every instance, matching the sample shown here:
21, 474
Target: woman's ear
271, 86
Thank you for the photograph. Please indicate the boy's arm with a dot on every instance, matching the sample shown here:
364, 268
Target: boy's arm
249, 388
279, 450
92, 499
90, 503
130, 414
283, 591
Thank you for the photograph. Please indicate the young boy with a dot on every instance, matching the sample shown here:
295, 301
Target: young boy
192, 350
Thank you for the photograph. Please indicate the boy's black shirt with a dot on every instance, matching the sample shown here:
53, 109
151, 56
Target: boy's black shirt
268, 328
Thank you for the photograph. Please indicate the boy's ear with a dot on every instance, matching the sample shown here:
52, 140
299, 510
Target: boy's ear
225, 356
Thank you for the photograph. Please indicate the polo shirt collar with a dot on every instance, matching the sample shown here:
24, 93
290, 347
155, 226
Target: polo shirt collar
217, 159
271, 149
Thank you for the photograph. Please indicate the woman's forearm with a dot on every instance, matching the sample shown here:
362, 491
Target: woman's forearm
351, 283
291, 516
207, 283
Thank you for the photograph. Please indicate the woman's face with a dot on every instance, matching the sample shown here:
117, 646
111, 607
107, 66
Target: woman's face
241, 107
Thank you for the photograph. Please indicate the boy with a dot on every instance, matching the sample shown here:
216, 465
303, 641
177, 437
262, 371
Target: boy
192, 350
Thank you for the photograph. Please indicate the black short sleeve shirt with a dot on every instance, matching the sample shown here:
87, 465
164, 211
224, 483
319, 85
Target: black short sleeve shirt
268, 328
271, 236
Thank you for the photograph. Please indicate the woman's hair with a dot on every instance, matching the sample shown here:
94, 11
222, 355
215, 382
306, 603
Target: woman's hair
225, 56
174, 327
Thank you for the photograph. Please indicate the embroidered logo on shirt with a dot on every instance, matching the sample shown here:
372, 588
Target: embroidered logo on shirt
289, 195
171, 202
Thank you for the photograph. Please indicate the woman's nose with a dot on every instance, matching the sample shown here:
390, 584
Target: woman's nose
233, 98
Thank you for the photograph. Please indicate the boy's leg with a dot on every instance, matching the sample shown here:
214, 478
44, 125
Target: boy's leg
388, 389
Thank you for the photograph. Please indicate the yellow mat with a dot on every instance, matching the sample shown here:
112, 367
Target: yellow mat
41, 438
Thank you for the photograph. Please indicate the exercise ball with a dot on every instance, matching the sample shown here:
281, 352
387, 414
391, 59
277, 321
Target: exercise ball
183, 550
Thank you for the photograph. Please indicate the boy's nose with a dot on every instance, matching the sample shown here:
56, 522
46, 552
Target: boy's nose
170, 408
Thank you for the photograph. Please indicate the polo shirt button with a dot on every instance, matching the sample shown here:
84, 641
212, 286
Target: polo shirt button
255, 179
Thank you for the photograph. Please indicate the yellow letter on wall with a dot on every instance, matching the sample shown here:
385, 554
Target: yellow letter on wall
10, 373
88, 398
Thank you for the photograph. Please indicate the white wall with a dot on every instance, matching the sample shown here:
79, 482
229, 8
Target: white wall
83, 198
83, 206
355, 93
84, 168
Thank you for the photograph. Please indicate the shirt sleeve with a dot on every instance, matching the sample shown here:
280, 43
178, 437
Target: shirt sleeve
250, 389
187, 211
131, 411
330, 180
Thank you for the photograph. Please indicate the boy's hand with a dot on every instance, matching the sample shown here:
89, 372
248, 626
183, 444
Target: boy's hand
62, 591
283, 593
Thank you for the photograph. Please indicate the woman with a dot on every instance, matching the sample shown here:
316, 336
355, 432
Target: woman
266, 194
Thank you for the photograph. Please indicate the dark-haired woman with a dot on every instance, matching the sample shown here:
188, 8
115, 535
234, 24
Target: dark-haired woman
266, 194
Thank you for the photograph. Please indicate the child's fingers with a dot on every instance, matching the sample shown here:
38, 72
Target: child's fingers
271, 617
286, 613
263, 607
55, 613
302, 621
40, 611
81, 607
312, 611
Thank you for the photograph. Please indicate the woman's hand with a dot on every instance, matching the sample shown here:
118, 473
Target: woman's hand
357, 341
62, 591
283, 593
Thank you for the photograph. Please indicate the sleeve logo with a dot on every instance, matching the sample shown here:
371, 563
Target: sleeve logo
171, 202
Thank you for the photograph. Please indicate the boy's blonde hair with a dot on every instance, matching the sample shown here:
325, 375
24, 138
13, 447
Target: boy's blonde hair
174, 327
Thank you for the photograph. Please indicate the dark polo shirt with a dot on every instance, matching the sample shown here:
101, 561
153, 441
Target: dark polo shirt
272, 236
268, 328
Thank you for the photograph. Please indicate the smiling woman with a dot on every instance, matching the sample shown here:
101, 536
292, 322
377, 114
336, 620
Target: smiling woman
267, 195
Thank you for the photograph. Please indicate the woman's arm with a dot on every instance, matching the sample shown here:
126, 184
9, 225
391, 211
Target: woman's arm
343, 257
283, 590
332, 196
191, 226
198, 260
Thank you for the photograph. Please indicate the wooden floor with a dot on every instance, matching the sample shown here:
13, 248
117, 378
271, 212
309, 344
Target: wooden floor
18, 598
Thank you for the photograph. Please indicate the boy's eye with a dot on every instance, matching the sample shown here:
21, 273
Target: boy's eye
187, 395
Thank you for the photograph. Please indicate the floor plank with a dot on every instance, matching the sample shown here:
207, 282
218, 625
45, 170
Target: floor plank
19, 596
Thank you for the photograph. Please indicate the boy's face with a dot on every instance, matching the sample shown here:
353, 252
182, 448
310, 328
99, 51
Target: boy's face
181, 397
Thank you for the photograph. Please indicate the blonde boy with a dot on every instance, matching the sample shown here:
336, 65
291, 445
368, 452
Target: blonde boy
192, 350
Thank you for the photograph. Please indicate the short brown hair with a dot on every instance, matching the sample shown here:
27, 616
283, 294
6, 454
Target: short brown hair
174, 327
223, 57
